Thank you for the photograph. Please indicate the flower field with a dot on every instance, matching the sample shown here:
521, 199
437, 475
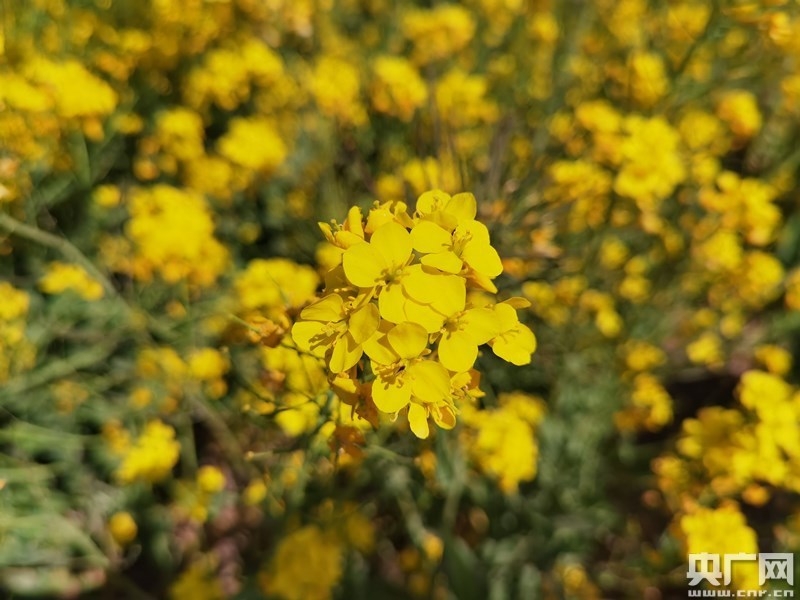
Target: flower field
326, 299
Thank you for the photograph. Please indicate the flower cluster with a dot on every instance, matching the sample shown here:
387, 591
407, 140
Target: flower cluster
410, 294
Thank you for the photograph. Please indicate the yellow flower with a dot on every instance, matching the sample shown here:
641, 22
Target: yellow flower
705, 350
207, 364
404, 379
306, 566
152, 456
122, 528
398, 89
61, 277
253, 143
336, 331
502, 442
739, 109
336, 85
777, 360
439, 32
467, 245
516, 342
210, 479
173, 234
723, 531
275, 285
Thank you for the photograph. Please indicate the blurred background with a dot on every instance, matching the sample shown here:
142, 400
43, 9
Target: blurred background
163, 167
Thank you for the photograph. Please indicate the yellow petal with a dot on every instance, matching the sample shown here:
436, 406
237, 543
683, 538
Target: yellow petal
354, 221
517, 302
452, 295
474, 231
463, 207
420, 285
424, 315
392, 303
391, 394
427, 237
457, 351
378, 217
482, 258
364, 322
418, 420
363, 266
345, 239
507, 318
328, 309
346, 353
393, 242
379, 350
444, 416
480, 324
309, 337
429, 201
408, 339
444, 261
430, 381
515, 346
482, 281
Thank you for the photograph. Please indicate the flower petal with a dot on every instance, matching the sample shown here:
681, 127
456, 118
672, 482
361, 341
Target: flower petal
506, 317
309, 337
418, 420
393, 242
378, 349
443, 416
420, 285
515, 346
424, 315
444, 261
427, 237
451, 295
364, 322
346, 353
430, 381
431, 200
392, 303
330, 308
480, 324
391, 394
482, 258
408, 339
457, 351
463, 207
363, 266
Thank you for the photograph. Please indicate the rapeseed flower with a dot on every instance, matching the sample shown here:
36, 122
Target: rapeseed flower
399, 296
